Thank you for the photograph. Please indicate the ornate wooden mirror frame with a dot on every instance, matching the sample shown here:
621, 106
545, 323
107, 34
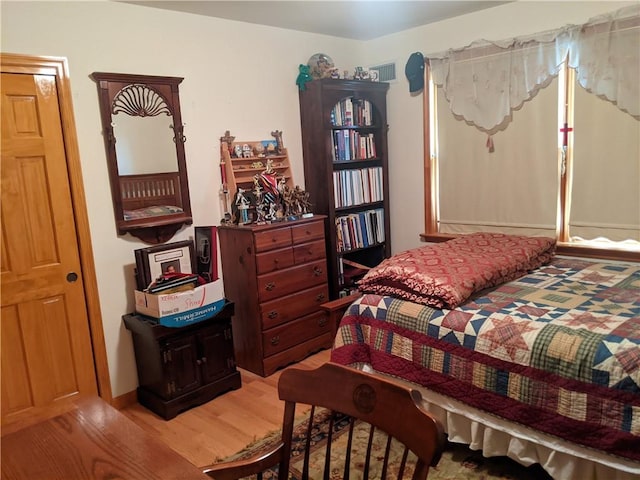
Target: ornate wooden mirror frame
149, 202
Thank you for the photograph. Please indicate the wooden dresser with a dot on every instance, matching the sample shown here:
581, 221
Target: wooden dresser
276, 275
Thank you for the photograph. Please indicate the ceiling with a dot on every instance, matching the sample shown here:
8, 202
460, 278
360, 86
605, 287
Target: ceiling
358, 19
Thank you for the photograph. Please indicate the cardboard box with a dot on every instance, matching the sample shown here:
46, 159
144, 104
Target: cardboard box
182, 308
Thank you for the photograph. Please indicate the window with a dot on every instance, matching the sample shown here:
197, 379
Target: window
500, 156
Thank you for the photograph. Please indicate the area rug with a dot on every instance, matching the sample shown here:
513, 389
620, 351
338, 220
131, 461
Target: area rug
458, 462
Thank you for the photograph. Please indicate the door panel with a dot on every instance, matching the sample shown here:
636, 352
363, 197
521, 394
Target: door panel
217, 352
46, 343
183, 357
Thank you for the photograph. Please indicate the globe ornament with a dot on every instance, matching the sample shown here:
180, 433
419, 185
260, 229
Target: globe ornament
320, 66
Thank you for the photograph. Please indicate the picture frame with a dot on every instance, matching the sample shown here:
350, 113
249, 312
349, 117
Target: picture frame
152, 262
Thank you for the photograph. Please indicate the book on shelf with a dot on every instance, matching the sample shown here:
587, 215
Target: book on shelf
360, 230
352, 145
350, 112
357, 187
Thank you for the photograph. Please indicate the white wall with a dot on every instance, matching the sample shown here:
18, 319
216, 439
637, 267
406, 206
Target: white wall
238, 77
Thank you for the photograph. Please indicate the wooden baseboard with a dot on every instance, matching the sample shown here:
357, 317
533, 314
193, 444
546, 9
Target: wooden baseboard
125, 400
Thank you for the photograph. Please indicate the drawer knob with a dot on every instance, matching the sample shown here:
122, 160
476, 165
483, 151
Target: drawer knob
322, 322
273, 314
320, 297
317, 271
270, 286
275, 340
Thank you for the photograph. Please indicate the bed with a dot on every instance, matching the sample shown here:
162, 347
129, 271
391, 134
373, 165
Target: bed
528, 355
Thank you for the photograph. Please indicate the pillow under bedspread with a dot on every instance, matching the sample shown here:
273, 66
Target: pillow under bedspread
444, 275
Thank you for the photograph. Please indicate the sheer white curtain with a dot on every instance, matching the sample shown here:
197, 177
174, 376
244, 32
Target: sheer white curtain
485, 81
606, 55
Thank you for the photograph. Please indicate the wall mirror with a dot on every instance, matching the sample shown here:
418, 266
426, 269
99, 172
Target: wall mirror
144, 140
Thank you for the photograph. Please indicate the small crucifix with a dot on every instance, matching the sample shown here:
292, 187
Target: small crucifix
228, 139
565, 130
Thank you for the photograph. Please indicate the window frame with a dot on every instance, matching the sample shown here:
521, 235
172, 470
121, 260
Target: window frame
431, 198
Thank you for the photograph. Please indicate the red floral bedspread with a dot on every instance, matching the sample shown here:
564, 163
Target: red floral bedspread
446, 274
557, 350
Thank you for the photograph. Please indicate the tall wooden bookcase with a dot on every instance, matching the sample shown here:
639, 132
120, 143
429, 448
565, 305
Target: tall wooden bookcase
344, 140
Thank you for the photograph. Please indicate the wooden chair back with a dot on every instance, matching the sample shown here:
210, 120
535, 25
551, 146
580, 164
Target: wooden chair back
386, 408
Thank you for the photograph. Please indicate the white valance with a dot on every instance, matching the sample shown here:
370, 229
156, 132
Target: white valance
485, 81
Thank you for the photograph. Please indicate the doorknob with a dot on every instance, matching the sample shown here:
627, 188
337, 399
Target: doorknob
72, 277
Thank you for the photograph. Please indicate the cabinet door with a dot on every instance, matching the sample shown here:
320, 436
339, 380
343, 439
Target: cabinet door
181, 355
216, 352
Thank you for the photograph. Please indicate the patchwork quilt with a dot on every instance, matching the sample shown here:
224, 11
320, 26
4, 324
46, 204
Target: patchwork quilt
557, 350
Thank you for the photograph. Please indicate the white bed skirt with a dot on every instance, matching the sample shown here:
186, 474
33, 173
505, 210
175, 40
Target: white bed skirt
498, 437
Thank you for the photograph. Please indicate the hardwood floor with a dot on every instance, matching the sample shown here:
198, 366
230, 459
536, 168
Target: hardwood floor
226, 424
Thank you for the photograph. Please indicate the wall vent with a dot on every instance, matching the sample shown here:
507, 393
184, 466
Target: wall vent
386, 72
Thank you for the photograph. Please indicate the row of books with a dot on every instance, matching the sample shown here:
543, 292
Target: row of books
355, 187
350, 112
360, 230
353, 145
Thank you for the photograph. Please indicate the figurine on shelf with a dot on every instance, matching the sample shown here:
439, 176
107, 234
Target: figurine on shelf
272, 214
242, 203
269, 182
277, 134
303, 205
282, 186
360, 74
258, 150
260, 204
237, 150
226, 214
303, 76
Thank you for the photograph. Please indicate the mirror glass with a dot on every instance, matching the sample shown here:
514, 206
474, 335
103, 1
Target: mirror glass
144, 141
144, 144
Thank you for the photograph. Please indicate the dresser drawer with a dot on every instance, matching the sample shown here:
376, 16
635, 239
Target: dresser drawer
283, 282
309, 251
289, 334
307, 231
270, 239
292, 306
275, 260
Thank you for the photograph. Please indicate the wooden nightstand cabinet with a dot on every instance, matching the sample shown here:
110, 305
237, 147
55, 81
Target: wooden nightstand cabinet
179, 368
276, 275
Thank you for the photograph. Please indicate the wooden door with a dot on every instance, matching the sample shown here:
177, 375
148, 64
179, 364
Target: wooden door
47, 354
